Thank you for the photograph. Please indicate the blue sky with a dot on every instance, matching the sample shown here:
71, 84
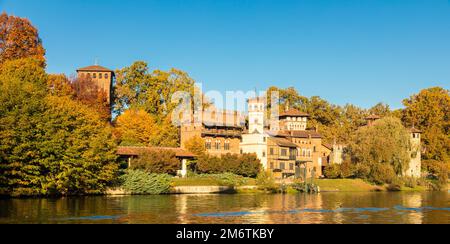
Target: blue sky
361, 52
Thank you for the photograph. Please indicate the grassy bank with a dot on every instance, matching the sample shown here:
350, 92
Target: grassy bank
213, 180
346, 185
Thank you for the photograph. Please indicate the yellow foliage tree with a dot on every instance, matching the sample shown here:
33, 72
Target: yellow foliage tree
135, 127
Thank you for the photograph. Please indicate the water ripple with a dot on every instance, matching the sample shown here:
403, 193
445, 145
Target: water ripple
298, 211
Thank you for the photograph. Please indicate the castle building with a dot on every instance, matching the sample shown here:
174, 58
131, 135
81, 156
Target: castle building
101, 76
289, 150
415, 164
221, 131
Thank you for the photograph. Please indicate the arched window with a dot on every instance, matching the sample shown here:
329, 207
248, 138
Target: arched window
208, 144
217, 146
100, 76
88, 75
227, 145
106, 76
94, 75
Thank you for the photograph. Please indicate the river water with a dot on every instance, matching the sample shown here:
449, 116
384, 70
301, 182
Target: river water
324, 208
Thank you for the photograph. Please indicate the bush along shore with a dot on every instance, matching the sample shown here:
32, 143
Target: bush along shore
139, 182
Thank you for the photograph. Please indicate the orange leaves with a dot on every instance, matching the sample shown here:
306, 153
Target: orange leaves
19, 39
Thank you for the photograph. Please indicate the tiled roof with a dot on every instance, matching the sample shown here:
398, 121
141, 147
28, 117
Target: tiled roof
283, 142
296, 134
414, 130
136, 151
95, 68
327, 146
373, 117
293, 113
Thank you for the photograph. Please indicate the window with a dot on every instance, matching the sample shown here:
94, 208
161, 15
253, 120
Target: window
227, 145
283, 152
242, 151
106, 76
291, 166
271, 151
100, 76
271, 165
208, 145
264, 139
282, 166
264, 154
218, 145
88, 75
94, 75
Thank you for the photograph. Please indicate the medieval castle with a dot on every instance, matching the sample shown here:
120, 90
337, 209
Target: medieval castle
285, 146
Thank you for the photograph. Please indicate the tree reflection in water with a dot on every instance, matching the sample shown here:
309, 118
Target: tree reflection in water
338, 208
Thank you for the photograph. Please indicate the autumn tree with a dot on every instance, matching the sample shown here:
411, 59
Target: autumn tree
157, 162
60, 85
152, 91
196, 145
49, 144
138, 87
135, 127
381, 109
429, 111
87, 92
19, 39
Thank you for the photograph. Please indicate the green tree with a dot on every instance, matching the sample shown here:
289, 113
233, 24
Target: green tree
49, 144
157, 162
383, 147
381, 110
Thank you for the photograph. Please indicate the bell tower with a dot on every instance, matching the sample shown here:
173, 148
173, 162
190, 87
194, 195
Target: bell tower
256, 108
101, 76
415, 164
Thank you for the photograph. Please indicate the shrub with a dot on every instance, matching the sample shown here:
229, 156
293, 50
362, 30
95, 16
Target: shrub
382, 173
157, 162
410, 182
333, 171
247, 165
362, 171
228, 179
265, 181
140, 182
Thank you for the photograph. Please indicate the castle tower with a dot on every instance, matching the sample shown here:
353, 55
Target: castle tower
293, 120
102, 77
256, 108
255, 141
415, 164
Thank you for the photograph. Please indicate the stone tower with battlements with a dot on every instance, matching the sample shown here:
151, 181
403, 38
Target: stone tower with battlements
415, 164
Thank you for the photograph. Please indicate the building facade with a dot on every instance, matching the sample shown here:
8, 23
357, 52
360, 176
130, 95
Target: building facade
220, 130
101, 76
415, 164
286, 148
